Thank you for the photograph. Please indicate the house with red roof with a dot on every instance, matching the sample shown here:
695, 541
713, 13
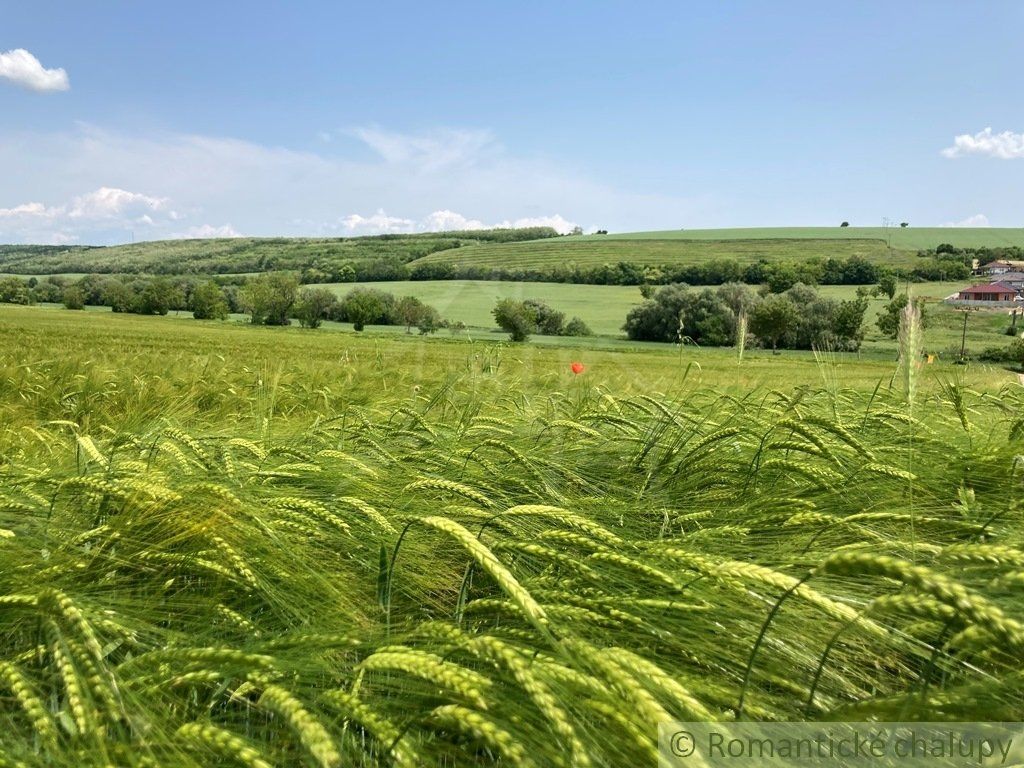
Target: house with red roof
987, 295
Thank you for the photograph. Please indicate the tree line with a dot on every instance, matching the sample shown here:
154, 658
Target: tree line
274, 298
395, 257
796, 318
853, 270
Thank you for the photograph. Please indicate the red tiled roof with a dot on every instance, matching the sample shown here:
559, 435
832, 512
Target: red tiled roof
990, 288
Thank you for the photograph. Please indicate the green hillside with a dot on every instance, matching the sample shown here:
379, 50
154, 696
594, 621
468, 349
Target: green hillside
244, 254
383, 257
594, 250
694, 246
910, 238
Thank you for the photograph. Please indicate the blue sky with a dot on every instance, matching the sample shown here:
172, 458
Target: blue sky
327, 118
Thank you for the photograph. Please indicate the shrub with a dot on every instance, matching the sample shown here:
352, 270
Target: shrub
848, 322
209, 302
576, 327
269, 298
1013, 353
676, 313
516, 318
889, 319
366, 306
773, 318
313, 306
1016, 353
48, 291
409, 311
658, 318
158, 297
549, 321
429, 321
74, 297
781, 277
14, 290
887, 283
120, 296
737, 296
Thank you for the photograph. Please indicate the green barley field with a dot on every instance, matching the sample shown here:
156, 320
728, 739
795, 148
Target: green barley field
233, 545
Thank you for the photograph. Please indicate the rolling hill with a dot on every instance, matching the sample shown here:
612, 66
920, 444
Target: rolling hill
893, 246
907, 239
528, 249
243, 254
595, 250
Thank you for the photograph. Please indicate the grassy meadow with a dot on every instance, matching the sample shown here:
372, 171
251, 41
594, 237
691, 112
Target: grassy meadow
232, 545
604, 309
891, 246
904, 239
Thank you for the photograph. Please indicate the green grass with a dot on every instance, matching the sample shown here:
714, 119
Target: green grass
230, 545
909, 239
894, 246
177, 343
602, 307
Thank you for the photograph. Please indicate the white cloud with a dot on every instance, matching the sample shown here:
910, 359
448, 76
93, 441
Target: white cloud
977, 220
103, 207
446, 221
377, 224
435, 180
439, 221
556, 222
1005, 146
22, 68
206, 231
27, 210
110, 202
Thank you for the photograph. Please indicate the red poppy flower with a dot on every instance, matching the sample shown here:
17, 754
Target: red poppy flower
577, 368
